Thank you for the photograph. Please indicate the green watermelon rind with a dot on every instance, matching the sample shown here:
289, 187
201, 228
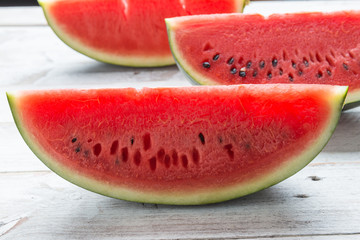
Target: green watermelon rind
195, 77
130, 61
336, 100
353, 99
123, 60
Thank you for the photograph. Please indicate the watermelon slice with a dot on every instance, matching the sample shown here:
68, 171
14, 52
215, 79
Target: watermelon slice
312, 48
191, 145
125, 32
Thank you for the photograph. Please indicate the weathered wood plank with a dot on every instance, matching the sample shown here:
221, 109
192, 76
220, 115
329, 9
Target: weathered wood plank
15, 155
320, 202
312, 237
35, 57
47, 207
269, 7
22, 16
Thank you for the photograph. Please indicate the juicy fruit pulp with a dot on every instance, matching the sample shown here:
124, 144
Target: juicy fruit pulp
191, 145
316, 48
124, 32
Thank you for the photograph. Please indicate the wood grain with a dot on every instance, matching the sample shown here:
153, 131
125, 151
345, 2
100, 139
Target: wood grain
299, 206
33, 57
320, 202
270, 7
22, 16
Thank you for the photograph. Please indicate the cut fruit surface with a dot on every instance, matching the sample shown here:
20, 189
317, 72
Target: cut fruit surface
124, 32
190, 145
311, 48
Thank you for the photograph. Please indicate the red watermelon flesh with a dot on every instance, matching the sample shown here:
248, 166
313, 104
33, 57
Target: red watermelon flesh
312, 48
189, 145
131, 32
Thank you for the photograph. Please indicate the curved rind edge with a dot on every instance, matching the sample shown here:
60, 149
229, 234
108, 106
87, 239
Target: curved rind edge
352, 100
242, 4
183, 198
190, 73
130, 61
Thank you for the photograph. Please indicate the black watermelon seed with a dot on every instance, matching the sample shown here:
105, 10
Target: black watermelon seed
300, 72
206, 64
73, 140
274, 62
242, 74
291, 79
346, 67
233, 71
255, 73
77, 149
262, 64
306, 63
319, 75
328, 72
230, 61
281, 72
132, 140
216, 57
202, 138
293, 65
269, 75
248, 64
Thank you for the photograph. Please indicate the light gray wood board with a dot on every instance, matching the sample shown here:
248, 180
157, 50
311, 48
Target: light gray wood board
344, 146
269, 7
35, 56
22, 16
41, 205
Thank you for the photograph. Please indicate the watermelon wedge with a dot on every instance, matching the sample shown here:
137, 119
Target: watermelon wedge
125, 32
311, 48
190, 145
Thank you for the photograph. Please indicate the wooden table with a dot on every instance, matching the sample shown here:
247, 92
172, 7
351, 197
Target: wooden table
320, 202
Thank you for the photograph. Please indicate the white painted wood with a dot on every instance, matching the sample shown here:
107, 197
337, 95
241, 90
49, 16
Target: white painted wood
22, 16
15, 156
47, 207
269, 7
320, 202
